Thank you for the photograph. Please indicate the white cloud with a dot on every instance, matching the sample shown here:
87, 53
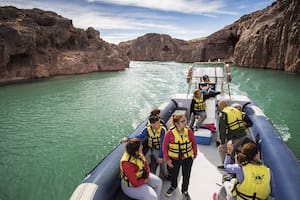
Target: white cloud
115, 37
116, 26
182, 6
121, 23
106, 21
84, 17
94, 19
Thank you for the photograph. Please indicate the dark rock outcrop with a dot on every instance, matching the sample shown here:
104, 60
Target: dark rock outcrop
40, 44
161, 47
267, 38
152, 46
219, 45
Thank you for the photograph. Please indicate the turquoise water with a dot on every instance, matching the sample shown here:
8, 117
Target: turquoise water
277, 93
53, 132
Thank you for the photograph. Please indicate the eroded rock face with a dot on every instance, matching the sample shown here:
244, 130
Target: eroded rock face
39, 44
267, 38
152, 46
219, 45
270, 38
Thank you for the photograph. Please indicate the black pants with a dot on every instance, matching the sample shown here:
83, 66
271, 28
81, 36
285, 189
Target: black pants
186, 166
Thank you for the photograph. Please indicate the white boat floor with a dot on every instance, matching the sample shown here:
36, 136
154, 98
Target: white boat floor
205, 178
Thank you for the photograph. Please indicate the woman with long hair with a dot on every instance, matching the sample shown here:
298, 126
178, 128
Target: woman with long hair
254, 179
179, 149
137, 181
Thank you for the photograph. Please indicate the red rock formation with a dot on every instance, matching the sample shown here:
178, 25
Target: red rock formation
40, 44
270, 38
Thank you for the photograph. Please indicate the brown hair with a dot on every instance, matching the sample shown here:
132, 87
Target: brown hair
155, 112
176, 118
153, 119
133, 146
196, 90
249, 150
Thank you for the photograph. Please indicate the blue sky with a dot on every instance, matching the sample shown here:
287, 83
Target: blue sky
122, 20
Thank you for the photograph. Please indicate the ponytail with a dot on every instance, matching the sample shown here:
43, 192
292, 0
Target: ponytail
248, 153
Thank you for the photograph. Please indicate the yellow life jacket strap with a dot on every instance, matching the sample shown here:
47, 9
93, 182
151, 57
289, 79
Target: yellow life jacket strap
154, 138
247, 197
153, 143
199, 104
142, 171
187, 148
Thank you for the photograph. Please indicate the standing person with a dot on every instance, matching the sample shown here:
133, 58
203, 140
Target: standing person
137, 182
156, 112
254, 180
231, 127
180, 149
155, 133
198, 107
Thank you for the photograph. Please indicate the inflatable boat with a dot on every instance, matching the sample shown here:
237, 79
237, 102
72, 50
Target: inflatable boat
103, 182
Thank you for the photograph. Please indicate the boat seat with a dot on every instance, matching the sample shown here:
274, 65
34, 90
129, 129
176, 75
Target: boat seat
180, 111
122, 196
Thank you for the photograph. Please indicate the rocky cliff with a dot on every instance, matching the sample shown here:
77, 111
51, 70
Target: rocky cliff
268, 38
219, 45
152, 46
40, 44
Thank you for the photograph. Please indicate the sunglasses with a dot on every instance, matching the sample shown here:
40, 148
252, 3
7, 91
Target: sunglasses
182, 121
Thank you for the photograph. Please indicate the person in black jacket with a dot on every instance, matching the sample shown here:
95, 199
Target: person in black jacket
231, 127
198, 107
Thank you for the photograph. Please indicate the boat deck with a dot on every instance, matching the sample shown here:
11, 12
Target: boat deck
205, 177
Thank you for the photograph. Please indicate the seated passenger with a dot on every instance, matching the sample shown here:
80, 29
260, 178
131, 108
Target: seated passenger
231, 127
156, 112
246, 118
254, 179
155, 133
198, 108
206, 86
136, 180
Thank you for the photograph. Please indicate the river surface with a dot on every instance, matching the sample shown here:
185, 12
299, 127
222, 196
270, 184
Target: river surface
53, 132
